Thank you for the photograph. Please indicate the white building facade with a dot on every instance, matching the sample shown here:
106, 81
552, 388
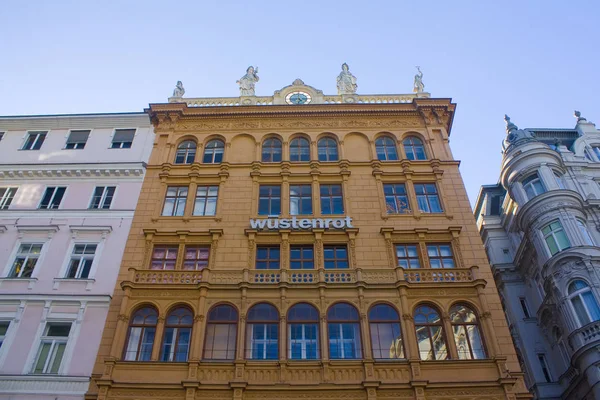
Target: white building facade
69, 185
540, 226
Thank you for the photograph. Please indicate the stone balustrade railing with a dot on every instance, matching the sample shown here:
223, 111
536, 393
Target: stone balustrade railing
303, 277
585, 335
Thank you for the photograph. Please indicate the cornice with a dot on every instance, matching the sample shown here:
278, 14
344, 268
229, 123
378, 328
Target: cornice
26, 171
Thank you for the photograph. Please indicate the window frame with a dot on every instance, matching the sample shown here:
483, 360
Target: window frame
270, 199
266, 342
178, 331
214, 151
51, 205
465, 326
103, 197
428, 325
164, 260
74, 143
34, 143
330, 197
18, 254
185, 152
303, 341
579, 294
302, 260
268, 260
377, 322
356, 329
335, 259
122, 144
408, 258
585, 232
411, 144
439, 257
300, 198
82, 258
178, 200
427, 196
299, 149
388, 147
331, 153
551, 234
208, 197
197, 261
6, 198
144, 328
529, 185
54, 342
271, 150
545, 367
230, 322
397, 203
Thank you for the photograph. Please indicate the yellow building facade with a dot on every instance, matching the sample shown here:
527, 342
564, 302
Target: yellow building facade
324, 250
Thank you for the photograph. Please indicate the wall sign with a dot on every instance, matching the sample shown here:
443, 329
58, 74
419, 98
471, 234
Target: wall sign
301, 223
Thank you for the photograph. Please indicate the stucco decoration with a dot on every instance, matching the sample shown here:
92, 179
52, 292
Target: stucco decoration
248, 81
514, 135
346, 82
418, 86
179, 91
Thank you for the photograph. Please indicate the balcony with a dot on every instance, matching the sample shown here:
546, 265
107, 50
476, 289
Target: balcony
451, 276
585, 336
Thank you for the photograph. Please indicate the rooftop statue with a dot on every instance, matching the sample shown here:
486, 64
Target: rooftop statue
509, 125
577, 115
248, 81
346, 82
419, 86
514, 135
179, 91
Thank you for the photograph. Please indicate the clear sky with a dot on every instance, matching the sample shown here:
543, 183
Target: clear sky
534, 60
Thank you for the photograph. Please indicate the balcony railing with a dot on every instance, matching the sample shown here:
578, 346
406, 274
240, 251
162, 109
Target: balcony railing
304, 277
585, 335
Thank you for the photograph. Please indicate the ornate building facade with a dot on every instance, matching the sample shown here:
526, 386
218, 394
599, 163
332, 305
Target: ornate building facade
305, 246
540, 229
68, 188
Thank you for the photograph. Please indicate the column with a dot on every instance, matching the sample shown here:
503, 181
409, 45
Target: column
158, 336
198, 329
408, 327
451, 344
487, 325
121, 329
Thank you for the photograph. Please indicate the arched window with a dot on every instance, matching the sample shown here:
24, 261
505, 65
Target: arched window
271, 150
584, 302
386, 337
140, 337
178, 331
467, 334
186, 152
327, 149
587, 238
386, 149
413, 148
213, 152
299, 149
303, 332
221, 333
262, 333
344, 332
430, 334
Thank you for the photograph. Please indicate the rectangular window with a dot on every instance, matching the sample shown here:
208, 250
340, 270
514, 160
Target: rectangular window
304, 341
544, 366
533, 186
34, 140
52, 197
3, 329
408, 256
164, 257
122, 139
262, 341
555, 237
176, 344
175, 201
196, 258
26, 260
206, 200
524, 307
427, 197
440, 255
103, 197
1, 135
7, 194
332, 201
302, 257
596, 151
52, 348
300, 199
587, 238
336, 256
77, 140
267, 257
396, 199
344, 341
269, 201
81, 261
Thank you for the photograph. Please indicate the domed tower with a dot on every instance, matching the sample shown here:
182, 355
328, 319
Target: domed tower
539, 227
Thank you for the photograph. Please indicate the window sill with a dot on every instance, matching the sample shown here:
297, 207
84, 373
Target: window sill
31, 281
89, 282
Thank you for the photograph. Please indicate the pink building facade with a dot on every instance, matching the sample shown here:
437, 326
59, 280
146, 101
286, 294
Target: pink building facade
68, 188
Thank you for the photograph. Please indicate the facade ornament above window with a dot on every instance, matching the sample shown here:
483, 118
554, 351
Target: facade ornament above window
248, 81
419, 86
179, 91
346, 82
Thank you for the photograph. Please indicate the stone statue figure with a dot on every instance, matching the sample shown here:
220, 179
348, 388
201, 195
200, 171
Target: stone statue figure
577, 115
248, 81
346, 82
419, 86
179, 91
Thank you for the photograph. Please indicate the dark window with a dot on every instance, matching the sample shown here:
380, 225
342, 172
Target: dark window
6, 197
140, 337
1, 135
206, 200
332, 201
177, 337
175, 201
303, 332
103, 197
164, 257
269, 202
77, 140
336, 256
413, 147
300, 199
52, 197
186, 152
386, 337
213, 152
26, 259
496, 206
440, 256
544, 366
302, 257
299, 149
271, 150
122, 139
467, 334
327, 149
81, 261
262, 333
344, 332
524, 307
408, 256
430, 334
196, 257
386, 149
396, 199
34, 140
3, 324
221, 333
267, 257
427, 198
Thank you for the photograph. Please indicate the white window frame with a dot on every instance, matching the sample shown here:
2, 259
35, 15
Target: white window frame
118, 129
5, 196
545, 236
52, 198
265, 342
14, 319
37, 133
579, 293
303, 341
343, 340
532, 185
103, 198
44, 339
67, 261
84, 143
16, 254
82, 258
583, 229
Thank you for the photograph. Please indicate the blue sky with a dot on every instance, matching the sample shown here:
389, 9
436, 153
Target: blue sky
534, 60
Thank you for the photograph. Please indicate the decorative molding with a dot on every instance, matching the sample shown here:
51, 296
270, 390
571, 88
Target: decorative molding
76, 171
50, 385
